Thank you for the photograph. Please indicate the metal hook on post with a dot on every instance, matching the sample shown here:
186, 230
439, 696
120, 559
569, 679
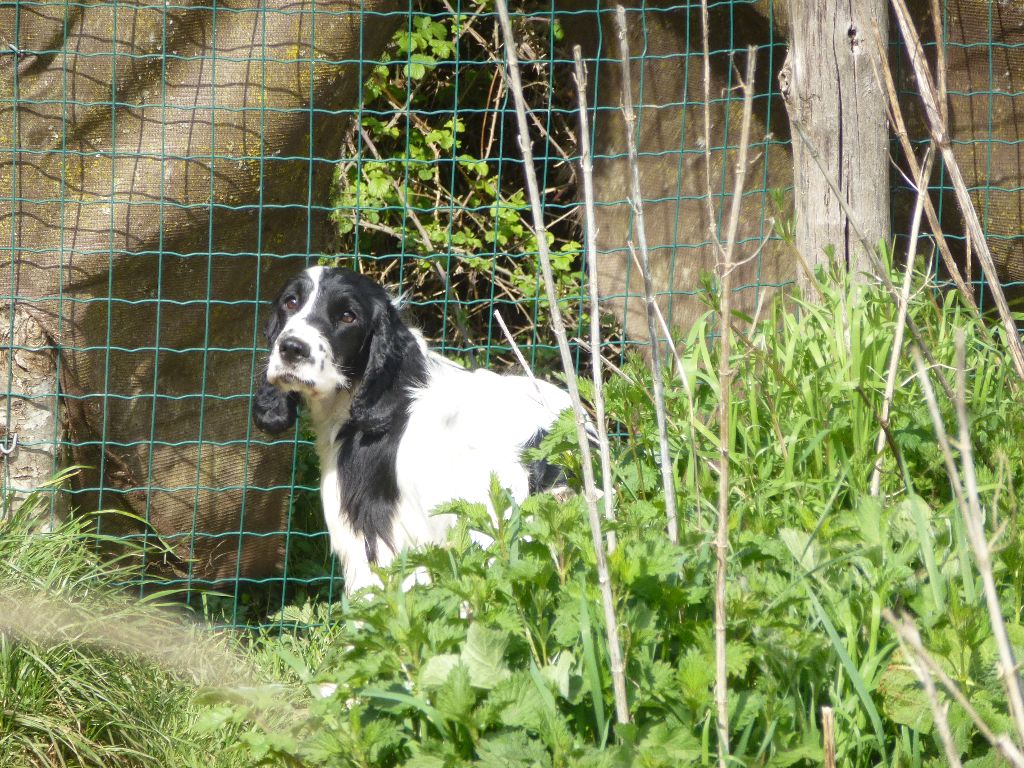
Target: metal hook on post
10, 444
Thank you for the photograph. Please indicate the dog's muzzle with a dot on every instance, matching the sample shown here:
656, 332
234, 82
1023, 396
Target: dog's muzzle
296, 366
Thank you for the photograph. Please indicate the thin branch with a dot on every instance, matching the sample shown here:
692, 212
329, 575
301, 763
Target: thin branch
966, 494
558, 327
706, 52
587, 168
940, 58
940, 430
940, 135
515, 350
975, 521
725, 374
611, 366
901, 321
907, 633
940, 713
636, 201
884, 76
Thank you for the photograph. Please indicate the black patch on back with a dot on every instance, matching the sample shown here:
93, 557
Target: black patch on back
391, 365
542, 474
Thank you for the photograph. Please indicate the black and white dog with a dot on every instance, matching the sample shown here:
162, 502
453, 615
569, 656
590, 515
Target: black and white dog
399, 429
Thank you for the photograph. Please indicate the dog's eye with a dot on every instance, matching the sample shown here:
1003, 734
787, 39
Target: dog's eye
347, 317
291, 303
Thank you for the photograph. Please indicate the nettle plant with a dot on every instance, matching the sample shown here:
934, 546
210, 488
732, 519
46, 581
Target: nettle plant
502, 660
428, 178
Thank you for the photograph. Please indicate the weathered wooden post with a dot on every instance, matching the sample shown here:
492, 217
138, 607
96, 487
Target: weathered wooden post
29, 427
837, 110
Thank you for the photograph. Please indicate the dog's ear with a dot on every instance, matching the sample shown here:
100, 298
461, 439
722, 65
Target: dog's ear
273, 411
376, 399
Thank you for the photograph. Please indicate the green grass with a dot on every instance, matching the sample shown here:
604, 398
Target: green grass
524, 680
89, 677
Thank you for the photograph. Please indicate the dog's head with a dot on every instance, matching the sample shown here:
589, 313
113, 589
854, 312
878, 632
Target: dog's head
329, 329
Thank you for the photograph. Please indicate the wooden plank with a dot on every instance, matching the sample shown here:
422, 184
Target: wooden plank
834, 100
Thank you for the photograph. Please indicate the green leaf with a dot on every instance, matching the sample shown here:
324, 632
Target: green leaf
558, 673
695, 676
436, 670
667, 746
483, 654
398, 697
522, 707
851, 671
804, 754
904, 700
456, 698
512, 750
592, 672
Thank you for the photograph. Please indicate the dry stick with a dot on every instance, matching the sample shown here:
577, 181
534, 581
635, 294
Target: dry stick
876, 264
587, 168
907, 632
707, 123
901, 321
515, 350
940, 135
940, 713
828, 729
636, 202
558, 327
900, 128
940, 432
979, 545
681, 369
725, 390
940, 58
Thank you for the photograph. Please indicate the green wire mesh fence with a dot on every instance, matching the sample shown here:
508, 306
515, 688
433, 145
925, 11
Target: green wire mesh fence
165, 166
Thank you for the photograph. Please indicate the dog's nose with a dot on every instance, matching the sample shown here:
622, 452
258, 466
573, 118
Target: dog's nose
293, 350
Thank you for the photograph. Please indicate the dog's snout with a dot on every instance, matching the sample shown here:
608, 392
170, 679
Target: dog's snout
293, 350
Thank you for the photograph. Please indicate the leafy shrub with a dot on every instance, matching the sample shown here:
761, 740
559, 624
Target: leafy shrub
435, 178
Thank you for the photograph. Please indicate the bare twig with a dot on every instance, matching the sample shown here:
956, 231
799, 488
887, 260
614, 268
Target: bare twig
908, 634
587, 168
975, 524
492, 55
901, 321
940, 712
828, 732
558, 327
940, 430
515, 350
940, 58
940, 135
884, 76
636, 201
706, 51
966, 494
587, 347
725, 374
681, 370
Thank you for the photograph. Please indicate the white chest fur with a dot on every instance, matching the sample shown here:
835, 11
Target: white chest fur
462, 427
